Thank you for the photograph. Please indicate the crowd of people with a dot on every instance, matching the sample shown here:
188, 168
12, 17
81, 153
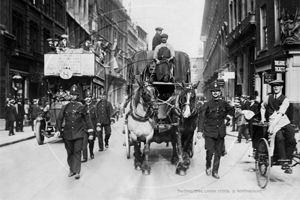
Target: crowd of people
17, 114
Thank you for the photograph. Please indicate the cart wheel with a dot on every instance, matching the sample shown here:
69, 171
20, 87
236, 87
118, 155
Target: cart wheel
38, 133
262, 163
127, 141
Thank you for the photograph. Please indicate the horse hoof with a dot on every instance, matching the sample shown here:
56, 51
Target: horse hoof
146, 172
138, 168
181, 172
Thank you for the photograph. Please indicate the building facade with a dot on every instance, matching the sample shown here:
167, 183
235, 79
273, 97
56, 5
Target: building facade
256, 42
26, 26
216, 58
278, 50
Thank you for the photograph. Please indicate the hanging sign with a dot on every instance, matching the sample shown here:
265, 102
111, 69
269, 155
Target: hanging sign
279, 66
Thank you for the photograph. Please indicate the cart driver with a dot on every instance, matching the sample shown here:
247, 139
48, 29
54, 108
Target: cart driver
276, 105
163, 55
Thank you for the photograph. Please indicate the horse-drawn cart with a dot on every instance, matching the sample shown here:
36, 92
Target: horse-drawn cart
266, 155
159, 117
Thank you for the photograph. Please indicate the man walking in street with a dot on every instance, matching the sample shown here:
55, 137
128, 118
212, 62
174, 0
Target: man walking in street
77, 122
20, 116
11, 114
104, 113
212, 127
91, 109
35, 110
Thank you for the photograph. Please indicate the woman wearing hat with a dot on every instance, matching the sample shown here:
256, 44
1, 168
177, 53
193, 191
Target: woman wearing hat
280, 127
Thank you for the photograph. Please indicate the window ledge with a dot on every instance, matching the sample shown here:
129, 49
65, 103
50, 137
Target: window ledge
263, 50
277, 44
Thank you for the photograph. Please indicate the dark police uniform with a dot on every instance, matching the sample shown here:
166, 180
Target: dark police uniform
91, 109
77, 122
104, 113
211, 124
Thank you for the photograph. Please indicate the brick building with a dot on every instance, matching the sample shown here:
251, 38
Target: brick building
26, 26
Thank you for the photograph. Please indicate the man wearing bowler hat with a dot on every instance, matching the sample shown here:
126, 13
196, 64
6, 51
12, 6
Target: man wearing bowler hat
276, 105
77, 123
212, 127
156, 39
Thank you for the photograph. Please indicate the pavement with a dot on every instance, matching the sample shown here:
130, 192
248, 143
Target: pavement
29, 134
18, 137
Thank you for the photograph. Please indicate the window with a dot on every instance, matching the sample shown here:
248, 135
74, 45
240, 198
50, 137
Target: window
263, 28
59, 12
277, 17
47, 7
46, 35
235, 14
240, 17
34, 37
252, 6
18, 29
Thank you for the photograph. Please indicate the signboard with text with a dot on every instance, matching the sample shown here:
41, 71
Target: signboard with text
279, 66
77, 64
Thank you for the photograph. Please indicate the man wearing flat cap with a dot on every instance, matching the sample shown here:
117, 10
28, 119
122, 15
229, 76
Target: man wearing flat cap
213, 128
282, 133
156, 39
163, 55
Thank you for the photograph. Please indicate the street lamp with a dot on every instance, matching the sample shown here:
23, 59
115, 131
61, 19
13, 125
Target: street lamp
16, 80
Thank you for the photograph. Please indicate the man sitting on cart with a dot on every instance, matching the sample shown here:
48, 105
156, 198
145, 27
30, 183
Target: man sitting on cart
276, 105
163, 55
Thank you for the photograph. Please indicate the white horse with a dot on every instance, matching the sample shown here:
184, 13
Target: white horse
140, 113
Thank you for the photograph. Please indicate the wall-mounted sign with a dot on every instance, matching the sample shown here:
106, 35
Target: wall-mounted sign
279, 66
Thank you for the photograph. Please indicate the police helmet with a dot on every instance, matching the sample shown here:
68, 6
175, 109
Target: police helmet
215, 86
88, 93
74, 90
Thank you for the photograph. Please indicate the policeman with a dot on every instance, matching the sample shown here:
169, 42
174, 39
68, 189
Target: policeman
104, 114
213, 128
91, 108
77, 122
276, 105
156, 39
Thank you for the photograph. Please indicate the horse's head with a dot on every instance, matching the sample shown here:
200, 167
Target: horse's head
187, 100
148, 94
